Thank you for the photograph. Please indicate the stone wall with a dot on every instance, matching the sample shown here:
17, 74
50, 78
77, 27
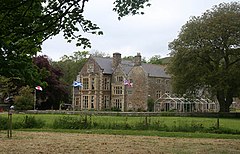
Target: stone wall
94, 74
118, 78
158, 84
137, 101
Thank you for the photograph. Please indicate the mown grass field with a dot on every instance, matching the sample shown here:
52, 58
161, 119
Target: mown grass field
28, 142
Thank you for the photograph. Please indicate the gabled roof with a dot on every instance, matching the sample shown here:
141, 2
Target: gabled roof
151, 69
105, 64
127, 65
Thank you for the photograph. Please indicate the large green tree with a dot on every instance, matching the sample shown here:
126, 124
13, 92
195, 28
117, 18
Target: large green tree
206, 55
71, 66
156, 59
25, 24
54, 90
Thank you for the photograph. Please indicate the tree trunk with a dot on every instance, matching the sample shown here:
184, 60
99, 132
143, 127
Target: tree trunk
224, 101
224, 107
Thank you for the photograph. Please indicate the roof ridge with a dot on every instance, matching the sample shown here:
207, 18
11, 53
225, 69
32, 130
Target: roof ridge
152, 69
102, 57
159, 65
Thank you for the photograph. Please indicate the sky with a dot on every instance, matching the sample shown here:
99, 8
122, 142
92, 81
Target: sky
148, 34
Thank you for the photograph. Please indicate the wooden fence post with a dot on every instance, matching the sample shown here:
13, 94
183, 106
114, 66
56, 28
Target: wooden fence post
9, 131
218, 123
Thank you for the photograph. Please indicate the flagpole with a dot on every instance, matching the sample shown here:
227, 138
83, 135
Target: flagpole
73, 106
35, 99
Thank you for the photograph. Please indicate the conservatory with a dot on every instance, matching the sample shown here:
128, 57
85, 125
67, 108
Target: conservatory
179, 104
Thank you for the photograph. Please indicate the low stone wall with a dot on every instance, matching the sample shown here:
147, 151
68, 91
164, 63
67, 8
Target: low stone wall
137, 114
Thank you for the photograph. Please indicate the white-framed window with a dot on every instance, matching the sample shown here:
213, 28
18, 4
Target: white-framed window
159, 81
85, 102
106, 100
92, 102
85, 83
119, 78
118, 103
77, 101
117, 90
158, 94
92, 83
106, 83
129, 92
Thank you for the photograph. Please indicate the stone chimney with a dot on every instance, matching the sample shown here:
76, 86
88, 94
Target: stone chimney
137, 60
116, 60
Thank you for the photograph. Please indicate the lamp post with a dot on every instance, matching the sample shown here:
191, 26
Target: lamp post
73, 97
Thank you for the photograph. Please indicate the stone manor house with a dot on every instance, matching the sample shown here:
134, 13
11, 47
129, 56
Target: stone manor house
114, 83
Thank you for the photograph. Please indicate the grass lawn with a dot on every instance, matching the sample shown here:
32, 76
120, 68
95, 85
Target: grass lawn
116, 125
168, 121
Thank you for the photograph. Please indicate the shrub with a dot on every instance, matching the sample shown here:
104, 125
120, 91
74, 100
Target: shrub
32, 122
29, 122
68, 122
3, 123
150, 104
186, 126
24, 101
115, 109
159, 125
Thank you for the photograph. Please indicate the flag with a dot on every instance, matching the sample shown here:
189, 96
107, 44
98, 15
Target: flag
77, 84
38, 88
128, 83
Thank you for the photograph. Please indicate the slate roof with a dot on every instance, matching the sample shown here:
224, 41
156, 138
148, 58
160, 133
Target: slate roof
105, 64
155, 70
151, 69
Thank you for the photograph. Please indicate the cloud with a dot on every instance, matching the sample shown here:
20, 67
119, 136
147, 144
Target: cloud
149, 33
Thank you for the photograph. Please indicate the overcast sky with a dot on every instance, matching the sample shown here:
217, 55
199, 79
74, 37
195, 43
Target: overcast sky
148, 34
